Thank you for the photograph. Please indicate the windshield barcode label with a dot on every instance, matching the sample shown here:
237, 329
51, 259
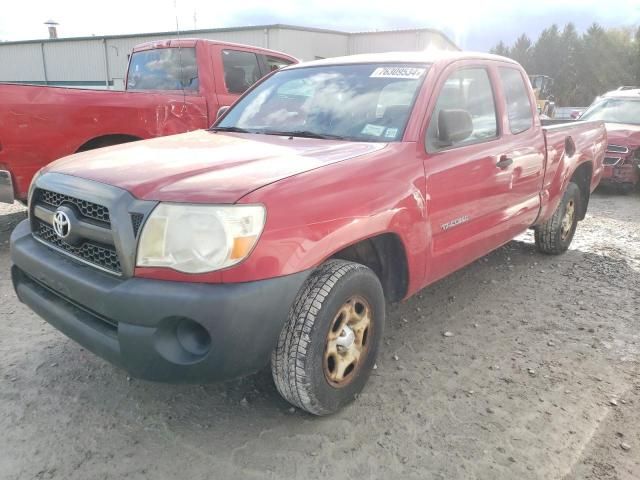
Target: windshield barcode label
397, 72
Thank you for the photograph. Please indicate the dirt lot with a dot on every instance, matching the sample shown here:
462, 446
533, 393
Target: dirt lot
539, 380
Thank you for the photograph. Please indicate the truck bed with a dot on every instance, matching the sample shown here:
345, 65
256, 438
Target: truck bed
570, 143
39, 124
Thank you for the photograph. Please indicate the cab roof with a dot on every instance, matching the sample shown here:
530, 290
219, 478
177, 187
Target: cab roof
630, 93
427, 56
191, 42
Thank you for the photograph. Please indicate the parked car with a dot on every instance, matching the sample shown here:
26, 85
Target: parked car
172, 86
568, 113
277, 236
620, 110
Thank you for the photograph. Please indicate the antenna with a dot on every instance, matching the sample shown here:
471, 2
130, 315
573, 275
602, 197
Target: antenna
184, 95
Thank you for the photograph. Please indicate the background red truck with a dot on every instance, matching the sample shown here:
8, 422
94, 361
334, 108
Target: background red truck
172, 86
277, 235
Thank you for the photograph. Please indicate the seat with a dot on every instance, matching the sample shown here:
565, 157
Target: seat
394, 115
234, 78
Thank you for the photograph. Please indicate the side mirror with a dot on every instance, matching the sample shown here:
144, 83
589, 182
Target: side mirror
222, 111
454, 126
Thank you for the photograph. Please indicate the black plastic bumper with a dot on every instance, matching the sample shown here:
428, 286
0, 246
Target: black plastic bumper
156, 330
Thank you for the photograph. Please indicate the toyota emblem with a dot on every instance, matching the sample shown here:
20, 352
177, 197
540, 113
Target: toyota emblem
61, 224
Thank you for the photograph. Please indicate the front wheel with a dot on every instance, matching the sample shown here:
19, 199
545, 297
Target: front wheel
555, 235
328, 346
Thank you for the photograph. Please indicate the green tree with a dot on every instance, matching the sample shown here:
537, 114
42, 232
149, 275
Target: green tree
567, 84
522, 52
502, 49
636, 56
548, 52
583, 66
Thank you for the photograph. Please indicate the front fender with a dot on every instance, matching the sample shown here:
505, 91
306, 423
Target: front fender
313, 215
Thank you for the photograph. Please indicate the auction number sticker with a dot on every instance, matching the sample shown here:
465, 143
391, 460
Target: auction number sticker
411, 73
373, 130
391, 133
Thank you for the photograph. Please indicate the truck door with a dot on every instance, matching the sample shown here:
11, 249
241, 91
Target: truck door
168, 76
524, 147
467, 191
240, 69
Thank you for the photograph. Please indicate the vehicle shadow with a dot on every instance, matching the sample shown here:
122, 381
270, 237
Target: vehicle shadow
9, 221
254, 400
418, 409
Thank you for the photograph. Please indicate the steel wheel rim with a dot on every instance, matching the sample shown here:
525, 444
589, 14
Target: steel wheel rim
347, 341
567, 220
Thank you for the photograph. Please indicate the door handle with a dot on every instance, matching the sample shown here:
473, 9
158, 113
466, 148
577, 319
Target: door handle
504, 162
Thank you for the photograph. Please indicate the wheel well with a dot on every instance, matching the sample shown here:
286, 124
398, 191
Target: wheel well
106, 141
385, 255
582, 178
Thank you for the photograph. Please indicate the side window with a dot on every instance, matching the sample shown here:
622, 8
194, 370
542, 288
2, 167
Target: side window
518, 104
275, 63
241, 70
467, 90
163, 69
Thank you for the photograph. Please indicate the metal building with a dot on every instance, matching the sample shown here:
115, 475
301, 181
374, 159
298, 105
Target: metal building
101, 62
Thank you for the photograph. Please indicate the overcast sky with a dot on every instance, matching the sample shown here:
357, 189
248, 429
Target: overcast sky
472, 24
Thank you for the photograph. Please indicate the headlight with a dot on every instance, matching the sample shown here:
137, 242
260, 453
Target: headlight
199, 238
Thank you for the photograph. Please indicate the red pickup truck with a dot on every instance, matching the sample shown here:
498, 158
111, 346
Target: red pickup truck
277, 235
172, 86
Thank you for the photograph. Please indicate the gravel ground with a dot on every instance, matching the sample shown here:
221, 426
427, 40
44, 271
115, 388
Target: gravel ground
538, 378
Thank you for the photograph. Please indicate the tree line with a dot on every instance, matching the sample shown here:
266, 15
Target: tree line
583, 66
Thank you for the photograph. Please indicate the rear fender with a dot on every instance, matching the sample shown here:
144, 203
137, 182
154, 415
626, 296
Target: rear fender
568, 149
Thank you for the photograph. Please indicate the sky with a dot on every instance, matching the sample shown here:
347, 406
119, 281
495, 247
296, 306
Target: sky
472, 24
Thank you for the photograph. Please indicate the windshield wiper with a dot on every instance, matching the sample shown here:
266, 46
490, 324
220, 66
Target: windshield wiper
230, 129
304, 134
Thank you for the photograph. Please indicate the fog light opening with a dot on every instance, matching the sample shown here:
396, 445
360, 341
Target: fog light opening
193, 337
182, 341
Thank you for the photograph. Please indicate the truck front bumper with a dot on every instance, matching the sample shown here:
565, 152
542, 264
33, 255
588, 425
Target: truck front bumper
624, 173
6, 187
156, 330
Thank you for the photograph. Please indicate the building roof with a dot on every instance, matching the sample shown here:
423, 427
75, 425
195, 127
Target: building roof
225, 29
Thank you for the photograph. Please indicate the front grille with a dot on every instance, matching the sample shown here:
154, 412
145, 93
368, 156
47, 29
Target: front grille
104, 221
617, 149
87, 209
611, 160
136, 222
103, 256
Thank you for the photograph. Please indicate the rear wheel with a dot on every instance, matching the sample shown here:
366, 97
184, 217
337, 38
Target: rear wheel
626, 188
555, 235
328, 346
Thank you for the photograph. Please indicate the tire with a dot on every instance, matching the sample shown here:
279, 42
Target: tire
554, 236
313, 341
626, 188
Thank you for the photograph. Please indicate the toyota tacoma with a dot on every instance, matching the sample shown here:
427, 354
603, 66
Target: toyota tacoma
278, 235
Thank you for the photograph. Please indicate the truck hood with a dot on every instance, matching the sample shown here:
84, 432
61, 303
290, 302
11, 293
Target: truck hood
623, 134
206, 167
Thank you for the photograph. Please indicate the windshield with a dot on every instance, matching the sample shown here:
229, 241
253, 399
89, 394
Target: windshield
365, 102
614, 110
